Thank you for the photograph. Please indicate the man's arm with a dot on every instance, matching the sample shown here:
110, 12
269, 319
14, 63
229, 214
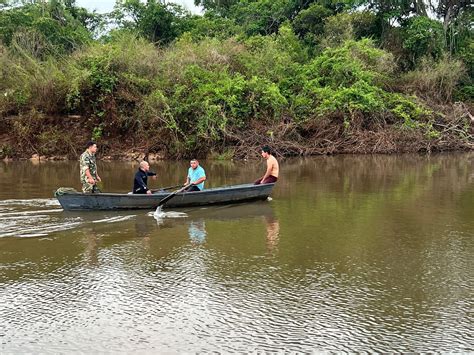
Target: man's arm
90, 179
201, 178
198, 181
151, 174
97, 174
188, 180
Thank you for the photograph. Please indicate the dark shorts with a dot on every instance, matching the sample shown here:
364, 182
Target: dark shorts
192, 188
269, 180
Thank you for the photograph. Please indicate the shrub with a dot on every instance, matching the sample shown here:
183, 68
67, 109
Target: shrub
352, 62
111, 79
435, 80
348, 26
7, 151
32, 83
350, 79
309, 23
337, 30
423, 37
211, 26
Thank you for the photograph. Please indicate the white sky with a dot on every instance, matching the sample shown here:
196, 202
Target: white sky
108, 5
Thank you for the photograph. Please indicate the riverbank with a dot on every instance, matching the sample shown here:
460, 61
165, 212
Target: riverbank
139, 101
345, 87
37, 137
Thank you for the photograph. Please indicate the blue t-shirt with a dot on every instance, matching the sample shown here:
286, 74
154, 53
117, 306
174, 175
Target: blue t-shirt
195, 174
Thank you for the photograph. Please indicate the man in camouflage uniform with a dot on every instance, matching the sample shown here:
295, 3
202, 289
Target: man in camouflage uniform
88, 168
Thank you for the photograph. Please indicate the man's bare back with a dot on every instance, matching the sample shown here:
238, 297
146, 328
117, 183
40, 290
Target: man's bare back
272, 166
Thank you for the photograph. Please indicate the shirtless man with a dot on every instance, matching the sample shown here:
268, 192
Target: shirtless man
271, 175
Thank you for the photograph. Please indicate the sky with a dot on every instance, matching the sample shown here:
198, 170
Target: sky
108, 5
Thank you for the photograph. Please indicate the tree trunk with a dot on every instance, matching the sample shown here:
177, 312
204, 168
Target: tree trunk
446, 23
420, 8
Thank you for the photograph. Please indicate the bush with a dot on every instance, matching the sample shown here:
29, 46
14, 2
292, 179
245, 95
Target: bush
309, 23
337, 30
423, 37
467, 56
7, 151
211, 26
111, 79
435, 80
352, 62
351, 79
50, 25
28, 82
348, 26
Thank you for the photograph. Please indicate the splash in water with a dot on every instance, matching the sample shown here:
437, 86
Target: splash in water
159, 215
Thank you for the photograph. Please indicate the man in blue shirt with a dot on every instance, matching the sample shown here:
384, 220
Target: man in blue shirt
196, 176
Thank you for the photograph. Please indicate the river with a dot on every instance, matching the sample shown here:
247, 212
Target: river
350, 254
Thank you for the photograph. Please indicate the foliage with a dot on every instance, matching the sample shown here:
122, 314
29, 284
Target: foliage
261, 17
219, 6
156, 21
45, 24
201, 99
192, 84
467, 56
423, 37
435, 80
350, 79
7, 151
353, 61
309, 23
211, 26
337, 30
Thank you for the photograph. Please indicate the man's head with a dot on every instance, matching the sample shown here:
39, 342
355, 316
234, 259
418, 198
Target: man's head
144, 166
266, 151
194, 163
92, 147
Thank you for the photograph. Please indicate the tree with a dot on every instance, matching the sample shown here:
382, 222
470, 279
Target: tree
424, 37
219, 6
457, 17
50, 22
311, 20
159, 23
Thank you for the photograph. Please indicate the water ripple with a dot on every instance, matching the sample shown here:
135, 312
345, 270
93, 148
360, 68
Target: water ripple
35, 218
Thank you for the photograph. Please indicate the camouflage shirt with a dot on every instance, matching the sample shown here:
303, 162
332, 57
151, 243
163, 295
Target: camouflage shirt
87, 161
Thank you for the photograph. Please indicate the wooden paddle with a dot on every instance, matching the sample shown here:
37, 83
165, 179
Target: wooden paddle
165, 188
171, 195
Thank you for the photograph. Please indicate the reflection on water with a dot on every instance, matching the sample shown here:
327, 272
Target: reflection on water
273, 232
197, 231
91, 255
353, 254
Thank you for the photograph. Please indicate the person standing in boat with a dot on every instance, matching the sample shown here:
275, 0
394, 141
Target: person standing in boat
141, 179
88, 169
196, 177
271, 175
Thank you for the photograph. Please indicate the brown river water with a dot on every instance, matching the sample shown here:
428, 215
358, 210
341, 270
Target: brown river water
350, 254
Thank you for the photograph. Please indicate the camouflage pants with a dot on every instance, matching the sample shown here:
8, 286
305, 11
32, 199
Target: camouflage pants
89, 188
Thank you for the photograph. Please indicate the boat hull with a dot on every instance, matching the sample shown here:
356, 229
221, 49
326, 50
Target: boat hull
113, 201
